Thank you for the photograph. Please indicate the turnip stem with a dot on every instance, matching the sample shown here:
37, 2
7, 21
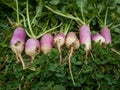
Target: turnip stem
48, 30
18, 21
67, 28
115, 26
27, 33
100, 21
64, 15
19, 13
71, 52
28, 19
11, 23
79, 24
81, 8
105, 21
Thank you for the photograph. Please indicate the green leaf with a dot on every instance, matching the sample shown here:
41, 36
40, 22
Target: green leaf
118, 10
87, 69
54, 2
52, 67
58, 87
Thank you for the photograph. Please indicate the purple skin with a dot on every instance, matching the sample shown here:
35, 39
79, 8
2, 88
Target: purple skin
14, 39
98, 38
46, 43
17, 44
85, 36
32, 47
59, 39
20, 32
105, 32
18, 40
72, 41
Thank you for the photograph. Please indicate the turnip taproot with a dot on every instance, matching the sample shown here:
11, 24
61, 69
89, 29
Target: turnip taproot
17, 43
46, 43
58, 42
72, 42
32, 47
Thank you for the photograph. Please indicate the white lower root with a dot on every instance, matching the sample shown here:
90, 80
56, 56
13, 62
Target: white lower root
59, 49
22, 61
70, 68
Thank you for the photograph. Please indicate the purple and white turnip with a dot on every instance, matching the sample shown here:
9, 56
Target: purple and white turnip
32, 47
105, 32
85, 37
72, 42
59, 41
98, 38
17, 43
46, 43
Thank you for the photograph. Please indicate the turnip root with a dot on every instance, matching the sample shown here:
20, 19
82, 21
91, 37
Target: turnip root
46, 43
105, 32
32, 47
59, 41
20, 32
98, 38
85, 37
17, 44
72, 42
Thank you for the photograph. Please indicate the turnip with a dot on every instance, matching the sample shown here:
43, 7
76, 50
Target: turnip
20, 32
46, 43
17, 43
98, 38
85, 37
105, 32
18, 38
32, 47
72, 42
59, 41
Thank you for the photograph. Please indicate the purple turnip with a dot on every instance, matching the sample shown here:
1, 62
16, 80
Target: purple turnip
46, 43
17, 43
85, 37
32, 47
98, 38
105, 32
